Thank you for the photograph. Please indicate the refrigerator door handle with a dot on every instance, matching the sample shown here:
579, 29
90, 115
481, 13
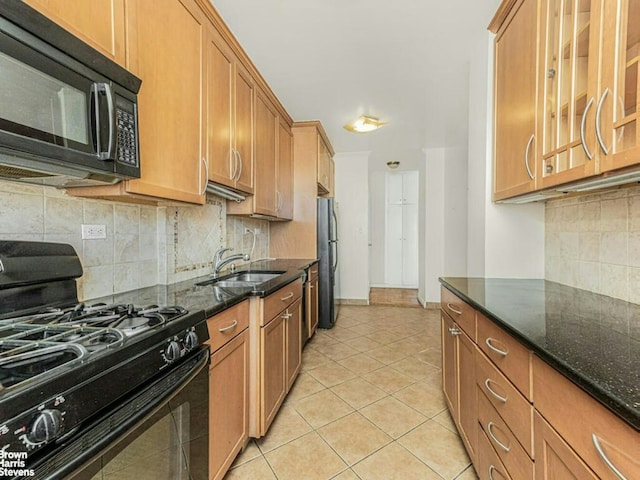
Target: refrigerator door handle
334, 245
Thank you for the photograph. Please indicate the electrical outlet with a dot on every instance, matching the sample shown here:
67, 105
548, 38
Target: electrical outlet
94, 232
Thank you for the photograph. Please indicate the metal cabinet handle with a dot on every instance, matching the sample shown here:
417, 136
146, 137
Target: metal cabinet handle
582, 128
491, 470
206, 175
598, 113
492, 392
526, 156
457, 312
493, 437
240, 163
454, 331
612, 467
234, 171
497, 350
287, 297
229, 327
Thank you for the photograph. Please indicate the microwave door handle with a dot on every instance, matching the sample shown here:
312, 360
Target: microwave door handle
95, 131
110, 153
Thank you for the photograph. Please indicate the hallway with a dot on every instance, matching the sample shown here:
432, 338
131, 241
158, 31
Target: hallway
367, 405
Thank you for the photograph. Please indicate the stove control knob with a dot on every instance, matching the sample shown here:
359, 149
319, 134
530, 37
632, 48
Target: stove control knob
46, 426
191, 340
172, 352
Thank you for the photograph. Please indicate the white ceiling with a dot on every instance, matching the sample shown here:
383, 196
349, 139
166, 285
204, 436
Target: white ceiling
403, 61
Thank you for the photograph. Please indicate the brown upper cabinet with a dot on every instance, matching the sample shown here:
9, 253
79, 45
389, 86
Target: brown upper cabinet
230, 100
585, 80
198, 104
515, 103
100, 23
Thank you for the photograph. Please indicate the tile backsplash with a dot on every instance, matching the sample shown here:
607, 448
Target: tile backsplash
145, 245
592, 242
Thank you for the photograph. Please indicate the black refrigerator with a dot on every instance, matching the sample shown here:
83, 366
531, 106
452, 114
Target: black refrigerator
328, 263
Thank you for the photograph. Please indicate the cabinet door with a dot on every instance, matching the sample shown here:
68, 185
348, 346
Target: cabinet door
228, 404
410, 187
394, 189
285, 172
569, 83
312, 310
324, 165
449, 364
467, 394
274, 382
265, 164
554, 458
219, 86
243, 128
619, 129
100, 23
393, 274
515, 104
294, 341
169, 102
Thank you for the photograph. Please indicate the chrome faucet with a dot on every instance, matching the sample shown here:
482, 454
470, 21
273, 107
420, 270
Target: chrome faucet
219, 262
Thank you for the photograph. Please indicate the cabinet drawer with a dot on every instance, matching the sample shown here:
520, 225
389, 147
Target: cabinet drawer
598, 436
460, 311
281, 299
509, 355
514, 409
513, 456
313, 272
226, 325
489, 466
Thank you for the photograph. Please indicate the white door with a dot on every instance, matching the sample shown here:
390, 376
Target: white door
393, 246
410, 245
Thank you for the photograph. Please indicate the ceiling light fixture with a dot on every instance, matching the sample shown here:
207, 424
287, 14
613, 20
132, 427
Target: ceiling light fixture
393, 164
364, 124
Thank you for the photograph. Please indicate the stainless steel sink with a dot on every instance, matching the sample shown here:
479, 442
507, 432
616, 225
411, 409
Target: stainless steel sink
241, 279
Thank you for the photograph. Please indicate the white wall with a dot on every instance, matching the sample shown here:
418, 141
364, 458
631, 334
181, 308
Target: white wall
503, 240
352, 198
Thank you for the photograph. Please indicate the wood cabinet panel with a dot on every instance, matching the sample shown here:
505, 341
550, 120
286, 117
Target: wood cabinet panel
285, 172
467, 394
460, 311
243, 128
294, 341
617, 441
449, 365
515, 103
171, 95
554, 458
265, 150
509, 355
226, 325
273, 376
228, 404
100, 23
312, 302
516, 411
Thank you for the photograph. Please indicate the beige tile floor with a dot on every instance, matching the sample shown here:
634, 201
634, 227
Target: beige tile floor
367, 405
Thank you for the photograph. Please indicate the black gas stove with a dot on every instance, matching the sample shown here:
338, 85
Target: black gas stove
63, 362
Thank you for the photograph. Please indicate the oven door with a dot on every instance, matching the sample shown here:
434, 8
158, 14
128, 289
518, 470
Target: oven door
159, 433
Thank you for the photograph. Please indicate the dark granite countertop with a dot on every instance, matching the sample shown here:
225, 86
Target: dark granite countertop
210, 298
592, 339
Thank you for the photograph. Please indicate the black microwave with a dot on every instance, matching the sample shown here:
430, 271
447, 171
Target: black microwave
68, 114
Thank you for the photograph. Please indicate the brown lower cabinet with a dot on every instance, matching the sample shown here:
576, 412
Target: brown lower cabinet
228, 387
529, 420
276, 353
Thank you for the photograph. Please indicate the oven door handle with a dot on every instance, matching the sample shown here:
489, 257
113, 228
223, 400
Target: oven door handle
73, 454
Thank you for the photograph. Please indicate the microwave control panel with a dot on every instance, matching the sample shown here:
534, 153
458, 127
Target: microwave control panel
126, 118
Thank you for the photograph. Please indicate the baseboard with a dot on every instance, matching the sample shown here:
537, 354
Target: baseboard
429, 305
353, 301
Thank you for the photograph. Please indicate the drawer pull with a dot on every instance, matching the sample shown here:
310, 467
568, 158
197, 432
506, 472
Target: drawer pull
229, 327
457, 312
493, 437
287, 297
497, 350
612, 467
494, 469
286, 316
454, 331
499, 397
